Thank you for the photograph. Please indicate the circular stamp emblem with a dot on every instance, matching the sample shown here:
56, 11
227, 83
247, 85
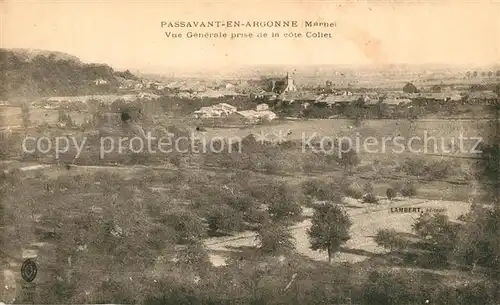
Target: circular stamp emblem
29, 270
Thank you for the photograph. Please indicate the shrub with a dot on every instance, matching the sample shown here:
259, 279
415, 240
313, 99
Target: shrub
440, 234
320, 190
408, 189
283, 201
187, 226
275, 239
391, 193
388, 239
353, 190
368, 188
439, 170
370, 198
224, 219
414, 167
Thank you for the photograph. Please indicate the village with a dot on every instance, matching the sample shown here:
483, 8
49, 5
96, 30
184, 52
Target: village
208, 213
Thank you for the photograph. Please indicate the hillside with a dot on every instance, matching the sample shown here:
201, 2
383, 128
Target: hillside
37, 73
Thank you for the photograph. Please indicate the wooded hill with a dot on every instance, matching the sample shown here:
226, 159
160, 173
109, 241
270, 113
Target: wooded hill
32, 73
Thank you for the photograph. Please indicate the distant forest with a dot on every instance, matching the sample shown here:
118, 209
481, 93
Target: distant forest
47, 75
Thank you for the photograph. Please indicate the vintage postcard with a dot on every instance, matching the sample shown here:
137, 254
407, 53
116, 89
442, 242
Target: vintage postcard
249, 152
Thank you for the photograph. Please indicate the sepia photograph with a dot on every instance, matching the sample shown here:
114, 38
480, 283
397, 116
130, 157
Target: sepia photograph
250, 152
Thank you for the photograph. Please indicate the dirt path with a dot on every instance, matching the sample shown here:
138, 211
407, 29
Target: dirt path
366, 222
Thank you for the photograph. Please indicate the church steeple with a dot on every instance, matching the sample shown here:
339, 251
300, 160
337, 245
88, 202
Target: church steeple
289, 85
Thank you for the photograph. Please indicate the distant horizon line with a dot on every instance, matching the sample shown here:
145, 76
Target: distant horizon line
289, 67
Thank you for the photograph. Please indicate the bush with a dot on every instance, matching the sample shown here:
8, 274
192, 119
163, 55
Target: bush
370, 198
439, 170
275, 239
408, 189
321, 190
434, 170
383, 288
391, 193
388, 239
368, 188
224, 219
414, 167
187, 226
283, 201
353, 190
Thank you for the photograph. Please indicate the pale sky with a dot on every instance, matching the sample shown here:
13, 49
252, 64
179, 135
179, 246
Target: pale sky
127, 34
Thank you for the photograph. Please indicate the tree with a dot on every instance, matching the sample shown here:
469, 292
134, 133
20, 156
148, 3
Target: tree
368, 188
474, 74
283, 201
275, 238
410, 88
408, 189
439, 231
64, 118
436, 88
388, 239
330, 227
322, 190
381, 110
476, 241
391, 193
25, 116
370, 198
348, 157
187, 226
224, 219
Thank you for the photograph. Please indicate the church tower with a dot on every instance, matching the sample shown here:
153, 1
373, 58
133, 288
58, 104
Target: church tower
289, 85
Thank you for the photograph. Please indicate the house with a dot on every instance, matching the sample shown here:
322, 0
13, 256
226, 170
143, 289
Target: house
292, 96
214, 111
229, 92
209, 94
100, 81
394, 101
332, 99
263, 95
157, 86
482, 96
253, 116
226, 107
185, 95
